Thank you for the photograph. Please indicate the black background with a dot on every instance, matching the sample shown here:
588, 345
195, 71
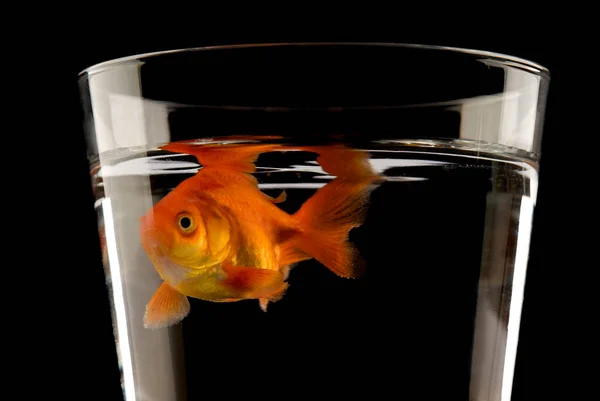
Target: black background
91, 350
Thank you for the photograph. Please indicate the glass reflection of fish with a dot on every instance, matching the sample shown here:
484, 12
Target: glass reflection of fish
217, 237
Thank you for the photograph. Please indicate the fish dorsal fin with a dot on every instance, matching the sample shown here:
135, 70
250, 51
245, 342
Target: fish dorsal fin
236, 157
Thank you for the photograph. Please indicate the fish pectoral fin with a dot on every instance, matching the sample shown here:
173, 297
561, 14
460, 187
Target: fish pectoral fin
166, 308
253, 282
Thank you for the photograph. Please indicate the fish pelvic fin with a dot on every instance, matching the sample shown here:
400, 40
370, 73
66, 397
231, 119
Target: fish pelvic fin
254, 283
325, 221
166, 308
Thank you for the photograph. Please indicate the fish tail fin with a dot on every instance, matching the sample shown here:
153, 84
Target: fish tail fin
325, 221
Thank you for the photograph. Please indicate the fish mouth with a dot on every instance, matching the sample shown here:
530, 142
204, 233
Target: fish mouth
146, 223
150, 238
153, 242
152, 245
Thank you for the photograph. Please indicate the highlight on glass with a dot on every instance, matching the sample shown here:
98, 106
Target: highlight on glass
342, 217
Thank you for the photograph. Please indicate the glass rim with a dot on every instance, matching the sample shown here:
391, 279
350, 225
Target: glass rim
512, 61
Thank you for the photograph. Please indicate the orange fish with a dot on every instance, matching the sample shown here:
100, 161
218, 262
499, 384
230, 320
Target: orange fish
218, 237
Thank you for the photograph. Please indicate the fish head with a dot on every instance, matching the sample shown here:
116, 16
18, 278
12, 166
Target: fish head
188, 231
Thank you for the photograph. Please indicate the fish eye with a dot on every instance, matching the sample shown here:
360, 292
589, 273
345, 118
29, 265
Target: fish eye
186, 223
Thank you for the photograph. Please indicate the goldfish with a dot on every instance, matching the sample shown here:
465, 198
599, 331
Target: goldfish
217, 237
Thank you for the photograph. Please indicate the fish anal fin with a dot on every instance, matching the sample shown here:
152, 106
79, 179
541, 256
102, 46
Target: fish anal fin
273, 297
279, 199
263, 303
285, 271
166, 308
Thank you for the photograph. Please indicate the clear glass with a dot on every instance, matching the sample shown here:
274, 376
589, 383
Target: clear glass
234, 179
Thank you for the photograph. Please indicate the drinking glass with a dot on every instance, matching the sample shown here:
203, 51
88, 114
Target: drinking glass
331, 218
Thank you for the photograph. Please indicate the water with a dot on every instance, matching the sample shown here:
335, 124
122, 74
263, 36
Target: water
445, 242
